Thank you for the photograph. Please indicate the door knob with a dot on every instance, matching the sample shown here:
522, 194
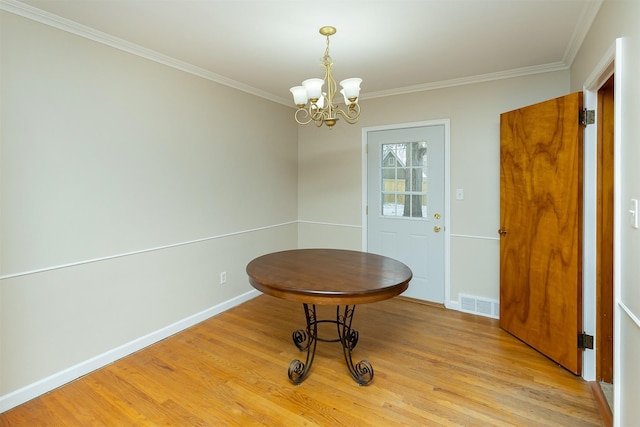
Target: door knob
437, 228
436, 215
502, 231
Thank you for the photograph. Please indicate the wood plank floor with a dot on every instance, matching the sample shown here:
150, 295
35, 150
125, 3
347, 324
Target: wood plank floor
433, 367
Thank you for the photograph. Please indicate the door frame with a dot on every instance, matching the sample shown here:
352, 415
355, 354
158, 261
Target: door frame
447, 191
599, 76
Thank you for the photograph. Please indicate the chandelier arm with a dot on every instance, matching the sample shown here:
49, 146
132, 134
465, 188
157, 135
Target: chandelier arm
311, 114
302, 116
317, 114
351, 115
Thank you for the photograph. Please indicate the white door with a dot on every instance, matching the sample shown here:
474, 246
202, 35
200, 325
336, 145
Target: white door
405, 200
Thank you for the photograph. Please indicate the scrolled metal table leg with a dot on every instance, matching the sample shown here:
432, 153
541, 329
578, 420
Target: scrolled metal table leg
304, 340
362, 371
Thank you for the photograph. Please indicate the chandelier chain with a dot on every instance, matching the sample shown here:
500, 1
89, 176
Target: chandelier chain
326, 58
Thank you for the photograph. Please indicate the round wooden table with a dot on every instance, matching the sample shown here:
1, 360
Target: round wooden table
329, 277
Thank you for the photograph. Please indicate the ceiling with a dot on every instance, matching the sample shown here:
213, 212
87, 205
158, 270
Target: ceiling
396, 46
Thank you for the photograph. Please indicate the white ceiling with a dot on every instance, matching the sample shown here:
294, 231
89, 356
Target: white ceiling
395, 46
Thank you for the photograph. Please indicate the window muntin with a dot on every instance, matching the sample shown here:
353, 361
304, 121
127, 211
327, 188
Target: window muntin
403, 186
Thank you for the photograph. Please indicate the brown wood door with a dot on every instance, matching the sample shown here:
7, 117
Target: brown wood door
541, 162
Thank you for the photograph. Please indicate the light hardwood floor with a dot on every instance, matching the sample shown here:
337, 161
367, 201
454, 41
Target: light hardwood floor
432, 367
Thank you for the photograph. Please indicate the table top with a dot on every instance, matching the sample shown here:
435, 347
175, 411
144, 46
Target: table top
329, 276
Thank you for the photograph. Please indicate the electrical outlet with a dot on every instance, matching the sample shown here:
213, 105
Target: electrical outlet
223, 277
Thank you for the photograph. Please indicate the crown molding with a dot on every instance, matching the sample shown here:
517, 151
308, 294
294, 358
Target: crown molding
13, 6
538, 69
588, 15
84, 31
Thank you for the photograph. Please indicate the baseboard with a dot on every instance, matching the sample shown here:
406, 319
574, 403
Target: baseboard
65, 376
452, 305
603, 405
423, 302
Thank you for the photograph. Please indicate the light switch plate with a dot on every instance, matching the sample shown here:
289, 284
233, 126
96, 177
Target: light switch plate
633, 212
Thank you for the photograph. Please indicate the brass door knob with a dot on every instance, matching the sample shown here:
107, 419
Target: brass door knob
437, 229
502, 231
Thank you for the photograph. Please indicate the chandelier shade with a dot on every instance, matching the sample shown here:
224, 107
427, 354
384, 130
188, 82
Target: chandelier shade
319, 106
351, 88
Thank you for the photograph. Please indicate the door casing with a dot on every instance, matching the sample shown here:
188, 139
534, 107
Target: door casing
601, 73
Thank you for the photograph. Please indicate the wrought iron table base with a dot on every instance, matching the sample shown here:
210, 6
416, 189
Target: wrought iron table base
307, 339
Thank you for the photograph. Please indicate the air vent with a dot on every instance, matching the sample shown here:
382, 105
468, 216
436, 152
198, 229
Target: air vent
480, 306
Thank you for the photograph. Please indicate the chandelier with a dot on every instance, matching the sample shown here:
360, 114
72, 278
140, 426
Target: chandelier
318, 106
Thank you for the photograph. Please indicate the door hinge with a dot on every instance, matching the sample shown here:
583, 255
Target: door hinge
587, 117
366, 210
585, 341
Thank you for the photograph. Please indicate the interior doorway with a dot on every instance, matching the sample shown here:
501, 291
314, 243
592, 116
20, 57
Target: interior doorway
605, 233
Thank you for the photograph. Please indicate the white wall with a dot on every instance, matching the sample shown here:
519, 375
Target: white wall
619, 19
330, 170
126, 187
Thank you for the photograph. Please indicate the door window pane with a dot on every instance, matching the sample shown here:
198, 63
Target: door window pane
404, 179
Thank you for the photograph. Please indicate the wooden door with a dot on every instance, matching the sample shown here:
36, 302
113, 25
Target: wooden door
541, 161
